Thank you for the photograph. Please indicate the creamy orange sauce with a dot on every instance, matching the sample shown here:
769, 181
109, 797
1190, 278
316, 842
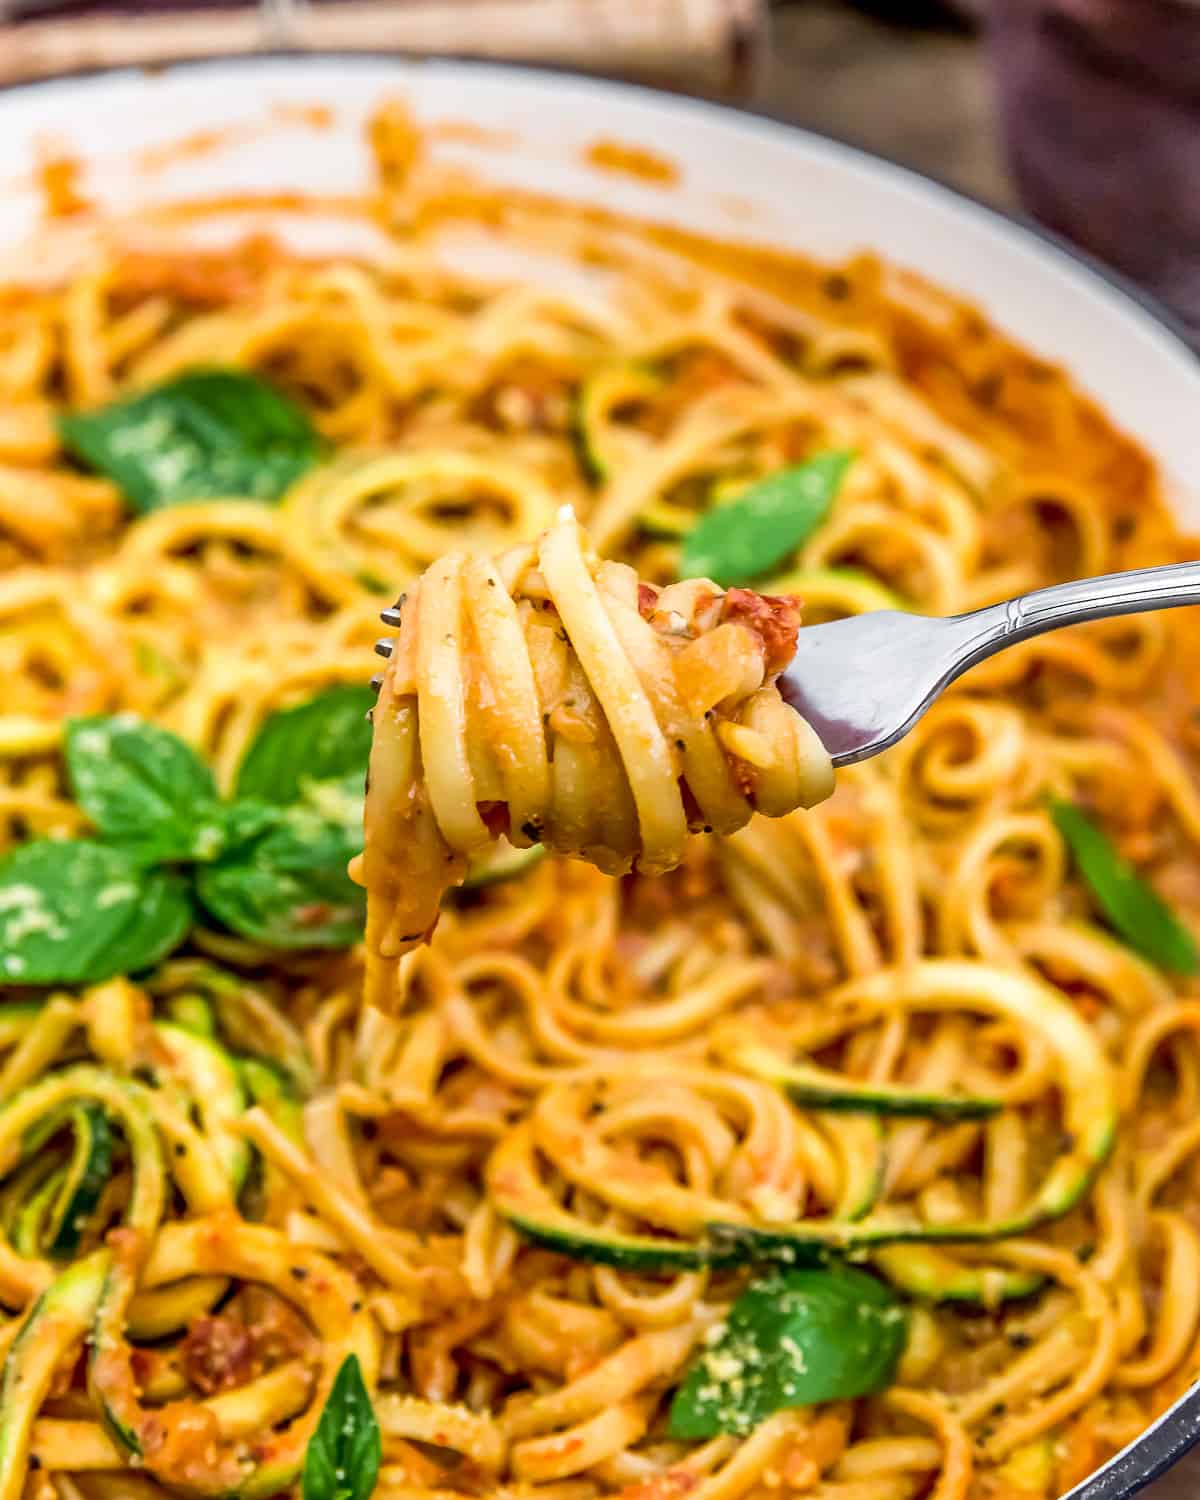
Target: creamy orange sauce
314, 116
189, 210
623, 158
187, 148
199, 143
737, 207
58, 175
468, 133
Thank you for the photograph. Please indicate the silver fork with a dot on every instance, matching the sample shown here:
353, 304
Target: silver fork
862, 683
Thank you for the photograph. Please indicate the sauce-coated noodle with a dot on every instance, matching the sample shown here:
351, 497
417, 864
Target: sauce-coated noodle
552, 698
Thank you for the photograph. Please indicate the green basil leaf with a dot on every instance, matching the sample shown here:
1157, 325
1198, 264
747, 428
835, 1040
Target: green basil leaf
289, 888
326, 738
345, 1450
75, 912
242, 822
144, 788
736, 543
1133, 909
206, 434
793, 1339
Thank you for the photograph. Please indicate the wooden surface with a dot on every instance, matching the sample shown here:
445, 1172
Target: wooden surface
920, 96
706, 46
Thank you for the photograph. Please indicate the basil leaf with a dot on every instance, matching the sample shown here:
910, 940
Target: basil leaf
1132, 907
144, 788
206, 434
74, 912
344, 1452
328, 737
289, 888
242, 822
793, 1339
735, 543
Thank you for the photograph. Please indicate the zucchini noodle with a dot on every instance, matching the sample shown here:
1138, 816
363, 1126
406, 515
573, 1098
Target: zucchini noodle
526, 1185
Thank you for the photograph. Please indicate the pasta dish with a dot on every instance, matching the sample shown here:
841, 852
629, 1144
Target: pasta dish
848, 1153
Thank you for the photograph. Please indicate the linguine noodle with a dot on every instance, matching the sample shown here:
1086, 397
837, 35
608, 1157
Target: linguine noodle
576, 1058
553, 699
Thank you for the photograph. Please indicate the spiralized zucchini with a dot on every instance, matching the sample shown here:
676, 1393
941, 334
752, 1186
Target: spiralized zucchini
162, 1120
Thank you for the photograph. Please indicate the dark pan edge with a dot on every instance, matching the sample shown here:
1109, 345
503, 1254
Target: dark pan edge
1149, 1456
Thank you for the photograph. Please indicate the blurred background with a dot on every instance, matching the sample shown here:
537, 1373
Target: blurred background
1082, 113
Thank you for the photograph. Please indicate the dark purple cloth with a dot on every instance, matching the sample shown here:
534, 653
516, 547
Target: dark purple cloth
1100, 101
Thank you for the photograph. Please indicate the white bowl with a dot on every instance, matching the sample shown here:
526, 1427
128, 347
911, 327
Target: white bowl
738, 175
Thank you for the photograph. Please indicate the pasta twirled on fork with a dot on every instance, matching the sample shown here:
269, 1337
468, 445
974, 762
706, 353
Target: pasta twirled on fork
552, 698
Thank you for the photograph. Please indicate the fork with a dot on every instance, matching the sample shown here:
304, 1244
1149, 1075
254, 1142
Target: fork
863, 682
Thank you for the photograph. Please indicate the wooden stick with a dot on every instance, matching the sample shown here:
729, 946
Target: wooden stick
709, 46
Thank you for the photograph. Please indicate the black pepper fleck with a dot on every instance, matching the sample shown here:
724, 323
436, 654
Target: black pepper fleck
987, 390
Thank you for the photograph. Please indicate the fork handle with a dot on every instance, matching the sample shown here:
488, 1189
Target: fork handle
994, 628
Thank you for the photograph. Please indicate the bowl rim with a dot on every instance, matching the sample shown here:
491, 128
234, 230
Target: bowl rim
1177, 1430
1079, 261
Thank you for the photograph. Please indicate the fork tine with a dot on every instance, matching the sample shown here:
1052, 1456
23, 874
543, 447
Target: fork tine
383, 648
376, 682
392, 616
